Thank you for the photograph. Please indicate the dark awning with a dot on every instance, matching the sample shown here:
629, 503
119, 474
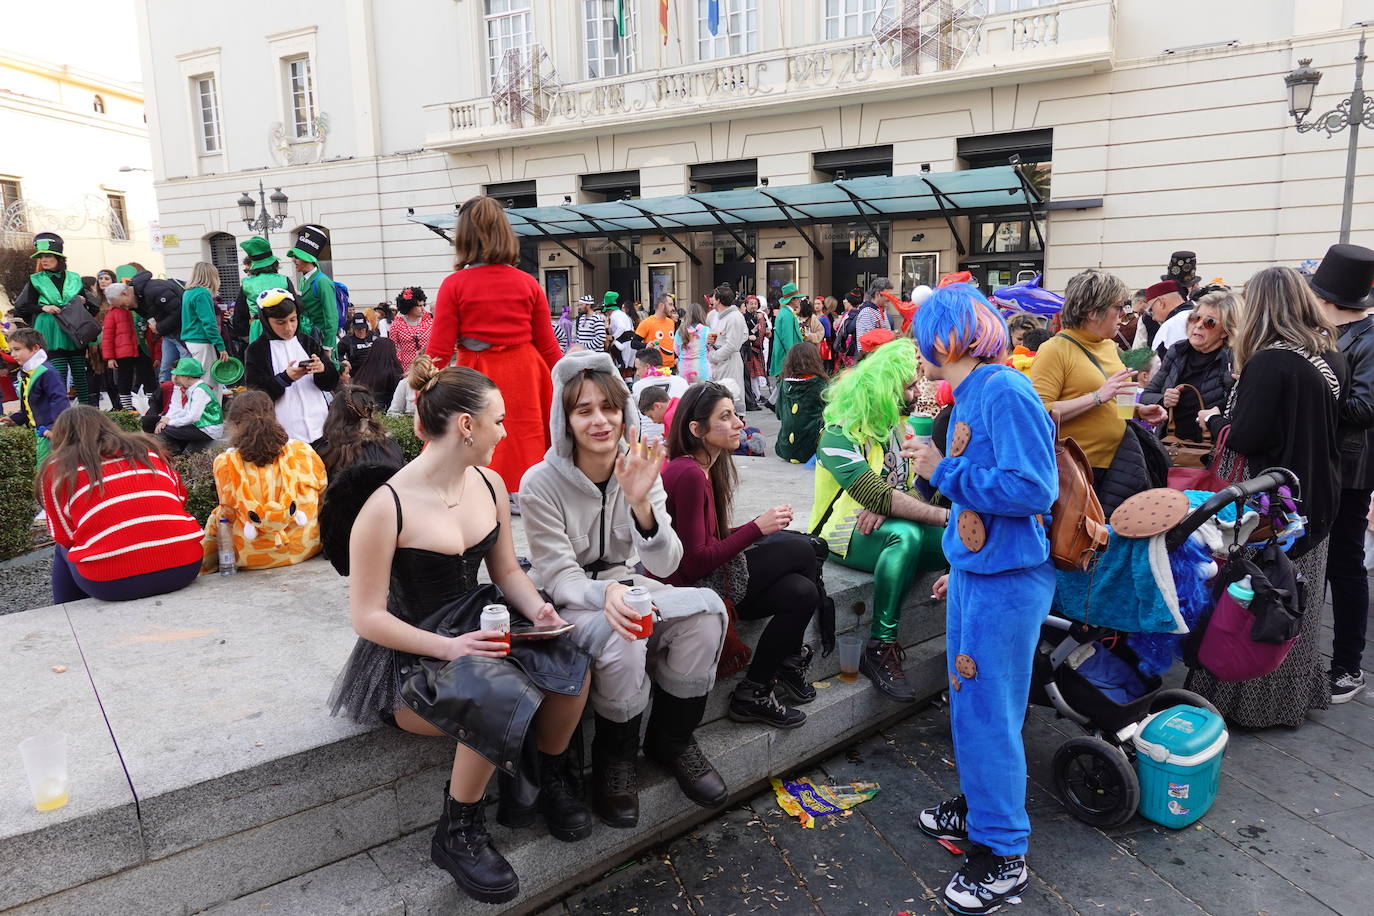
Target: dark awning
993, 189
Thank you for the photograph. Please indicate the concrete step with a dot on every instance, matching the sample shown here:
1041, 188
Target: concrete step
204, 768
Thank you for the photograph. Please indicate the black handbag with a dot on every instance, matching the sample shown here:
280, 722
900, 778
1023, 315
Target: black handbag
77, 322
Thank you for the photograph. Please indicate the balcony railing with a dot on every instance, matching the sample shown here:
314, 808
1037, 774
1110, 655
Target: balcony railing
1060, 33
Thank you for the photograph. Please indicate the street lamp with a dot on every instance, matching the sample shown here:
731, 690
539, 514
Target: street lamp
1350, 112
263, 222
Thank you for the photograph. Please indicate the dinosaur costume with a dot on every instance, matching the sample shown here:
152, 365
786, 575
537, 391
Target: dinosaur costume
273, 510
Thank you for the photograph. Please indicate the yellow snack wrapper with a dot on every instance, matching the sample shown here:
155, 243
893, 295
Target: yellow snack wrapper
807, 801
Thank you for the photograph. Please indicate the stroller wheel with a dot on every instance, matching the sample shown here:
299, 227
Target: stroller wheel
1172, 696
1096, 781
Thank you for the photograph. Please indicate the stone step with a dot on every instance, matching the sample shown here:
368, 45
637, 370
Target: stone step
204, 767
398, 876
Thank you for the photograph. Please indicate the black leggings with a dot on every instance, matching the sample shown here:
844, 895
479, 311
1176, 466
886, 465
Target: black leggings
782, 585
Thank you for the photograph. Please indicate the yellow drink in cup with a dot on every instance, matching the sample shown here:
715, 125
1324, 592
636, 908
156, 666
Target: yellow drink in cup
1125, 405
51, 794
45, 763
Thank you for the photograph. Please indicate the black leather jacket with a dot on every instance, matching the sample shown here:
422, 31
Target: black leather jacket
1356, 430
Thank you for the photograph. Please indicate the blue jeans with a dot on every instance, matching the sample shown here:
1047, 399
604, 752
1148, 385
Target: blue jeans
172, 350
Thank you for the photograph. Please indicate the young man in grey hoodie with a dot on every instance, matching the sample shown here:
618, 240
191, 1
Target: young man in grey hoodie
593, 510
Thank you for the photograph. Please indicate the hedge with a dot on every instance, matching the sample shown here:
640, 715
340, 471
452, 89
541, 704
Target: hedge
197, 470
127, 420
17, 505
402, 428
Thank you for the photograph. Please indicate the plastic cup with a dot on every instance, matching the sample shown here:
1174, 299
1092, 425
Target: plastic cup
45, 762
1125, 405
851, 648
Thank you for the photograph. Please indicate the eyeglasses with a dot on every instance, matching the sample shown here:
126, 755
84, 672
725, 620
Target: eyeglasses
1209, 322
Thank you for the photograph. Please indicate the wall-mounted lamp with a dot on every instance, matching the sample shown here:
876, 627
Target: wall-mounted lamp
510, 203
1014, 158
567, 199
763, 182
840, 175
625, 194
925, 168
691, 189
410, 211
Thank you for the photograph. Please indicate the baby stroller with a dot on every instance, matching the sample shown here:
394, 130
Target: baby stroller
1095, 773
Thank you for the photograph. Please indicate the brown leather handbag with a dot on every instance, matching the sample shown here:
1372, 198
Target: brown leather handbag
1185, 453
1078, 526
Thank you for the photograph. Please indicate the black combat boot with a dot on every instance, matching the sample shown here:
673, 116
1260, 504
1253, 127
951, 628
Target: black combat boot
559, 801
615, 782
793, 683
463, 848
671, 744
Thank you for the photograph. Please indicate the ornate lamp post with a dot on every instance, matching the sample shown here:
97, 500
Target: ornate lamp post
1350, 112
263, 222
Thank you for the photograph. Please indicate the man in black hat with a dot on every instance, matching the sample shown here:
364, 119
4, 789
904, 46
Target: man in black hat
355, 347
319, 304
1342, 286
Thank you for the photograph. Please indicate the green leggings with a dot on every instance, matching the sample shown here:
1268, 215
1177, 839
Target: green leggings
895, 552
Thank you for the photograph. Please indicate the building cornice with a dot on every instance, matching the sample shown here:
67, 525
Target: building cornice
66, 74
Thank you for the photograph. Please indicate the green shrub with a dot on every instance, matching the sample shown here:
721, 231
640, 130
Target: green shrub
17, 506
402, 429
126, 420
197, 470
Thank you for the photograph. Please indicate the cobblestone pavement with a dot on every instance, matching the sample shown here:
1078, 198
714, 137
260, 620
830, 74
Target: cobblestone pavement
1291, 832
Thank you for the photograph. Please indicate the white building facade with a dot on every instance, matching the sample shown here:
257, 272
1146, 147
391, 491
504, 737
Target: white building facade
1141, 126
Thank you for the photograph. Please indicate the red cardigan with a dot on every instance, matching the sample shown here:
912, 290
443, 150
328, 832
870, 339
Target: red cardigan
692, 506
118, 339
137, 523
494, 303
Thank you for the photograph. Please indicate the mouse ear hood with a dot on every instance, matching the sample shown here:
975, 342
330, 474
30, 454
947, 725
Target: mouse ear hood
343, 500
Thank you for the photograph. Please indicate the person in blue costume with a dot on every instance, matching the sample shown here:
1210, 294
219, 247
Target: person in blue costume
999, 474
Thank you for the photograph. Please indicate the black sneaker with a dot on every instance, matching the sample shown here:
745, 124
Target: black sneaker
754, 702
947, 820
882, 663
986, 881
1345, 687
793, 683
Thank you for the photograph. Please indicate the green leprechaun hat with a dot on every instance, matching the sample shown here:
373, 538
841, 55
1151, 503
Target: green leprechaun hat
610, 301
47, 243
188, 366
789, 292
259, 252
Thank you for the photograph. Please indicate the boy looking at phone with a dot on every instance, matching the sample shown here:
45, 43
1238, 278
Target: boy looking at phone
290, 367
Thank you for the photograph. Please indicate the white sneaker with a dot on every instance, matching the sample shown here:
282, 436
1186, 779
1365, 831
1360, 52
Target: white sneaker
985, 882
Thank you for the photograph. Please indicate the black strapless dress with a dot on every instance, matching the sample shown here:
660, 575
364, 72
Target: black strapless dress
485, 703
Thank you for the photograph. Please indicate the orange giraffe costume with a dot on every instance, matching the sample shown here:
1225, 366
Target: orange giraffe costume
273, 510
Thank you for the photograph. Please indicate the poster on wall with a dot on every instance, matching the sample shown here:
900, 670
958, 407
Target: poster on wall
662, 279
778, 273
556, 290
918, 269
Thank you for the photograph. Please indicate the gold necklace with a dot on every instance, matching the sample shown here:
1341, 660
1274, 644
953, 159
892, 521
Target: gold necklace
461, 490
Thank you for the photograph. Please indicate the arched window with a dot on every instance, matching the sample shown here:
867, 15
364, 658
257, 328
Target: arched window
98, 105
224, 254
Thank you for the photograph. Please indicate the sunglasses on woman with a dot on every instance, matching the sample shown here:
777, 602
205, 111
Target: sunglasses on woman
1209, 322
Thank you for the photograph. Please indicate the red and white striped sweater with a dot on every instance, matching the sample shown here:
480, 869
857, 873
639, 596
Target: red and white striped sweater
135, 523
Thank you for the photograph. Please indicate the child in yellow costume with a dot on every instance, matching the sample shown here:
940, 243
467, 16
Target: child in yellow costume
269, 488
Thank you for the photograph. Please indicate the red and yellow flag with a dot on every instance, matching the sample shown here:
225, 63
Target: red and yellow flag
663, 19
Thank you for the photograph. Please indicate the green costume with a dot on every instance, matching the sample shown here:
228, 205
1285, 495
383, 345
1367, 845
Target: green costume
800, 405
254, 285
850, 478
56, 287
786, 335
318, 305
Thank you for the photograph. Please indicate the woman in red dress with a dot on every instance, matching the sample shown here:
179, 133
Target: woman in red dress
498, 319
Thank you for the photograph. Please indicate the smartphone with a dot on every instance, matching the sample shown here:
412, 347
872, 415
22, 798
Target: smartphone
542, 632
304, 364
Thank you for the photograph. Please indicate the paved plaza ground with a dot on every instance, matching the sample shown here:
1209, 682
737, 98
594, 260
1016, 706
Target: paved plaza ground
1291, 834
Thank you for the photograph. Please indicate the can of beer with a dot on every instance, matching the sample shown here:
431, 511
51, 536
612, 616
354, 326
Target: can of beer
496, 617
638, 598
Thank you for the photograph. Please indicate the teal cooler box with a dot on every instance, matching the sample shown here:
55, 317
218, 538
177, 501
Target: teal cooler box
1178, 759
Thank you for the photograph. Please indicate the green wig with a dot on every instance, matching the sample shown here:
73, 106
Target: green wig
866, 401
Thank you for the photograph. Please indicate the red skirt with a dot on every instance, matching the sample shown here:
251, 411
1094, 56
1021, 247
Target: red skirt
527, 387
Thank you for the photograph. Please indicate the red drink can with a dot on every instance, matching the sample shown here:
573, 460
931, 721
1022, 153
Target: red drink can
496, 617
638, 598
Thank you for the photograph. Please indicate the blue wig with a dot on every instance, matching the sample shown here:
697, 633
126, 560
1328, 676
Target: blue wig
958, 321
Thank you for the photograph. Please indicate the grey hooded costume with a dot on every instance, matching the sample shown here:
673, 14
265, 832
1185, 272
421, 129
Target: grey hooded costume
582, 539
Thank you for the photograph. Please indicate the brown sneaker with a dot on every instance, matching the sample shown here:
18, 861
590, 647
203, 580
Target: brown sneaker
882, 663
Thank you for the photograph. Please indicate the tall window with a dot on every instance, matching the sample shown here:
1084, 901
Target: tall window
301, 97
850, 18
225, 256
119, 217
509, 27
737, 31
608, 52
207, 102
12, 217
99, 105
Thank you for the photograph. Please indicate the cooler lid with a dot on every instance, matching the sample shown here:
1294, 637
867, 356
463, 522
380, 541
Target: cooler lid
1181, 734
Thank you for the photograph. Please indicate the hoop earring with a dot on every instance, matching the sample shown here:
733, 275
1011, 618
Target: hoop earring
467, 440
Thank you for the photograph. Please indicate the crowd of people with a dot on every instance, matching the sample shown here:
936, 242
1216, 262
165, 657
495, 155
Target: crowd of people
612, 434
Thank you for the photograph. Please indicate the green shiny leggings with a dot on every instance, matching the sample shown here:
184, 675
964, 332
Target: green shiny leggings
895, 552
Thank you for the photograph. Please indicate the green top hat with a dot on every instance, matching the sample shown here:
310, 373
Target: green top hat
188, 366
310, 241
789, 292
259, 252
227, 371
47, 243
610, 301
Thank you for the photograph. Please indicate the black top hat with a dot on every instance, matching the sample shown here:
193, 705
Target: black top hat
1182, 268
310, 242
1344, 276
47, 243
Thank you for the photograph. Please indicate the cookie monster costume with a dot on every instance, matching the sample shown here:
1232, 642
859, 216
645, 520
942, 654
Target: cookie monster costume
999, 474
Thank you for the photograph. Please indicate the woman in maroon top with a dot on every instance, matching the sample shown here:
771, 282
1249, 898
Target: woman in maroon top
757, 571
499, 321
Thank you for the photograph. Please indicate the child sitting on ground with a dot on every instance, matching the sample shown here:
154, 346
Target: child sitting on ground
653, 404
42, 393
195, 417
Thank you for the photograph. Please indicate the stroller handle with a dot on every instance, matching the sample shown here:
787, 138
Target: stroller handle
1271, 479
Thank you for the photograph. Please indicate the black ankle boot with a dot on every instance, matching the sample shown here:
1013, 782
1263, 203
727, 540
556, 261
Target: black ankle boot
793, 683
615, 782
560, 802
671, 744
754, 702
463, 848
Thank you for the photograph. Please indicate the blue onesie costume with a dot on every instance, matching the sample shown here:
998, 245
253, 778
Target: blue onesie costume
1000, 474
